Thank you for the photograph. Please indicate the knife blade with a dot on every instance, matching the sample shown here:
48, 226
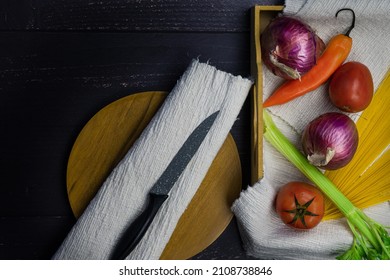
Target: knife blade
159, 192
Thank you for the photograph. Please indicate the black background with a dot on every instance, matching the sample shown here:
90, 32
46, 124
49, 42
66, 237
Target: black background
62, 61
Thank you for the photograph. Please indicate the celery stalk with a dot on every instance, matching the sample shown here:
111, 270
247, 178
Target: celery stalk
371, 240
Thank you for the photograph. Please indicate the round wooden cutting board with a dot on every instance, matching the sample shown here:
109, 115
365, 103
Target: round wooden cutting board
107, 137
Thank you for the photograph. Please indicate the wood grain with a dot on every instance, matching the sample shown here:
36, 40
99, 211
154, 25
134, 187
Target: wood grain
261, 15
110, 134
103, 142
128, 15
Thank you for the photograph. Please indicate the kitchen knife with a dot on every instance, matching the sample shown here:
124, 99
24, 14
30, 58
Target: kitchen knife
159, 192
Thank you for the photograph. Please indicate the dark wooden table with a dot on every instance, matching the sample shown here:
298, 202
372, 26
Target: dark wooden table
62, 61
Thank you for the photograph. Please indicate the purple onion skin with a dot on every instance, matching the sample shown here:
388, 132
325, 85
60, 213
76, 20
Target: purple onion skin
334, 131
292, 43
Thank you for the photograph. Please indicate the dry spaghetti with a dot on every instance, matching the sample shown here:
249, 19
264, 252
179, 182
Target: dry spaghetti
365, 180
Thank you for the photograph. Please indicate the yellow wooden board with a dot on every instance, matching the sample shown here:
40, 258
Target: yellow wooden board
107, 137
261, 16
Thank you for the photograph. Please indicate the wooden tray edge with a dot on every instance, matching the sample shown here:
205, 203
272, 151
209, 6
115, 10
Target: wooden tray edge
260, 16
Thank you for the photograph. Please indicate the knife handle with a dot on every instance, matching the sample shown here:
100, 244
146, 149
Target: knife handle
137, 229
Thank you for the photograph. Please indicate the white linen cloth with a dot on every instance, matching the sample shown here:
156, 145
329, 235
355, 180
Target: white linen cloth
264, 235
201, 91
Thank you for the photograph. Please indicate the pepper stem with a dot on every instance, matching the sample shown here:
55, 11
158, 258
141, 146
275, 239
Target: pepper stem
353, 19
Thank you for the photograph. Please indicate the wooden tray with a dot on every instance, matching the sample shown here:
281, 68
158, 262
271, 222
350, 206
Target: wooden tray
261, 15
110, 134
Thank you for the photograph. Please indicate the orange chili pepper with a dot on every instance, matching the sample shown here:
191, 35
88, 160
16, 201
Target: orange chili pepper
333, 56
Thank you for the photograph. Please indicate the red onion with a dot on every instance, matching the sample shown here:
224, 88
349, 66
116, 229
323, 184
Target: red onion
289, 47
330, 141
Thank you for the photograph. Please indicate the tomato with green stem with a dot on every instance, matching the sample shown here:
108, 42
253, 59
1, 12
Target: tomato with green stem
300, 205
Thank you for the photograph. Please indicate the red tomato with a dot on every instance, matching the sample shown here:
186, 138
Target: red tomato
351, 87
300, 205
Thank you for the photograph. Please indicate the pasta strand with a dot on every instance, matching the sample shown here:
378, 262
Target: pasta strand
365, 180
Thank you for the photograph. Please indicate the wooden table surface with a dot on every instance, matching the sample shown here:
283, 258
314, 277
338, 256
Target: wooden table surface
62, 61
